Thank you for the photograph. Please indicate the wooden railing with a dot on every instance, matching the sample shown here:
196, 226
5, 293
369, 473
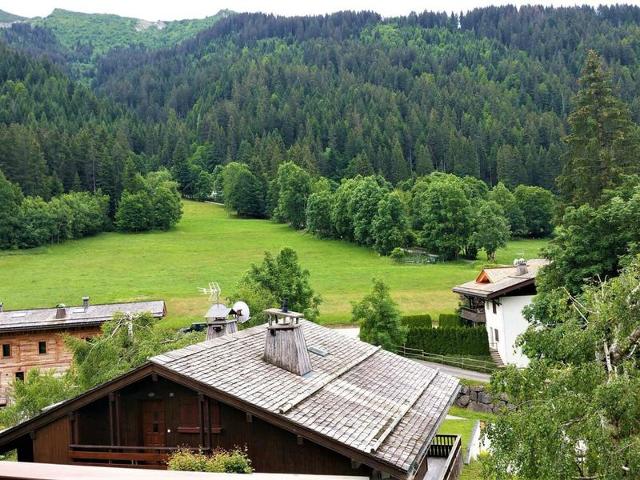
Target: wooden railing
476, 315
449, 447
460, 362
120, 456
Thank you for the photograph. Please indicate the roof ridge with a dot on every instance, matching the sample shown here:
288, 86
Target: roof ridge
40, 309
390, 425
287, 406
189, 350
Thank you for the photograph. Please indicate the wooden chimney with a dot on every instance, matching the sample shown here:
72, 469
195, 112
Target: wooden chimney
285, 346
220, 321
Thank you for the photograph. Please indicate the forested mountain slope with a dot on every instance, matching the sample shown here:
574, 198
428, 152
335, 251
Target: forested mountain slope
57, 135
485, 94
6, 17
102, 32
487, 98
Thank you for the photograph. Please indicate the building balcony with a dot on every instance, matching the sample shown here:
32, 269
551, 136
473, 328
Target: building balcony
444, 458
121, 456
475, 315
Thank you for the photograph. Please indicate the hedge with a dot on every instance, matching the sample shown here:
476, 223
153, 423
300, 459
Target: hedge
449, 320
416, 321
449, 341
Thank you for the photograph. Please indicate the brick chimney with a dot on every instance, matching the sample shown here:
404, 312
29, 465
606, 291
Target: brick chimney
85, 303
61, 311
285, 346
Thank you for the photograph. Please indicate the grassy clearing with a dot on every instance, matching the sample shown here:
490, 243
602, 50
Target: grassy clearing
208, 245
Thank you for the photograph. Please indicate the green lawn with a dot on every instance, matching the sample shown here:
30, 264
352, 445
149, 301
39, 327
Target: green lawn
208, 245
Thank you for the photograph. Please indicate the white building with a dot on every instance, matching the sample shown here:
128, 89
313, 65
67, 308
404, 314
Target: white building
496, 298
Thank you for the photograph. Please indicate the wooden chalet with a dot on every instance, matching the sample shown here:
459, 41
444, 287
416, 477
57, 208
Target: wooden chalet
300, 397
33, 338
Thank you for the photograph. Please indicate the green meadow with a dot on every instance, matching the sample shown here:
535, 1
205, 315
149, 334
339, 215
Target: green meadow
209, 245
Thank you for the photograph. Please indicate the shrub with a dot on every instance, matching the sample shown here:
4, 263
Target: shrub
188, 461
416, 321
220, 461
449, 320
449, 341
398, 254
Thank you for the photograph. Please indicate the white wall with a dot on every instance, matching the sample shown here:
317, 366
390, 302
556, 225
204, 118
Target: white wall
509, 322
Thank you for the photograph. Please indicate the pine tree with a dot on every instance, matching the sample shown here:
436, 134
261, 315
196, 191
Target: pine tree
603, 141
10, 200
424, 161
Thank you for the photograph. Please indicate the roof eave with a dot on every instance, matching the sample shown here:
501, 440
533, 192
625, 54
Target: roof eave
495, 294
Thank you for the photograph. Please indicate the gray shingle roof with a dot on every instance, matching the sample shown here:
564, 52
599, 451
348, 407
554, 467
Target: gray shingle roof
45, 318
501, 280
384, 405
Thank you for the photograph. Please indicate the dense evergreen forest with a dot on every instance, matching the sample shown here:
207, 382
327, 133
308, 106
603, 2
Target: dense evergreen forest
485, 94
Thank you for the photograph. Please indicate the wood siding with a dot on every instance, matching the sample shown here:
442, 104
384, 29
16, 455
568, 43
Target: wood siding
25, 353
51, 443
119, 417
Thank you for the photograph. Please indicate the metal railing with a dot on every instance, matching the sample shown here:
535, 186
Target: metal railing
482, 366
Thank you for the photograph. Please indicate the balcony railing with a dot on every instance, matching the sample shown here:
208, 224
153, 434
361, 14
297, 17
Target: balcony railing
449, 447
476, 315
120, 455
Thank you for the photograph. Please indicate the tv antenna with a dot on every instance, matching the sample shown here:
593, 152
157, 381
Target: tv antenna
213, 290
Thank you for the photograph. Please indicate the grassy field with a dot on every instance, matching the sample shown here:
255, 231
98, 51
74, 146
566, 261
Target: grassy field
208, 245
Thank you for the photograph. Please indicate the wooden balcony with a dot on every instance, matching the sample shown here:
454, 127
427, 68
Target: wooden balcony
445, 458
120, 456
475, 315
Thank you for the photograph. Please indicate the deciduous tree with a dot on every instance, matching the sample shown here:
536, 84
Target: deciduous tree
379, 318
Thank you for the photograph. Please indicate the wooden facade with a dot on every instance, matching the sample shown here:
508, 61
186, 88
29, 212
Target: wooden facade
139, 424
34, 338
43, 349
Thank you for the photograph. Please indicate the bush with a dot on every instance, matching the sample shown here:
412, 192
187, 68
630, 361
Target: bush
450, 320
221, 461
417, 321
398, 254
449, 341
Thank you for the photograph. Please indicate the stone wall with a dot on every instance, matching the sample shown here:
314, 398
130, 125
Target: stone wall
477, 398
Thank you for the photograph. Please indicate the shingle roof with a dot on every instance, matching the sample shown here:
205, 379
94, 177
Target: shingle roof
379, 403
45, 318
501, 280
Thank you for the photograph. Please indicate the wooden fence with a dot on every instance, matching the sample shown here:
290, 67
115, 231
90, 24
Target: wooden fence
460, 362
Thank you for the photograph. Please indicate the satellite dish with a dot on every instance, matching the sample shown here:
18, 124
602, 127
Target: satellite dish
243, 311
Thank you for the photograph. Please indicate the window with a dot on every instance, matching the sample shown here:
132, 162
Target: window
42, 348
6, 349
495, 334
20, 376
494, 306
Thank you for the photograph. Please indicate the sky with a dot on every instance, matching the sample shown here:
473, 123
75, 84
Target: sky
176, 10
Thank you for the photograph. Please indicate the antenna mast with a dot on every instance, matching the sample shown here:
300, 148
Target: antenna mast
213, 290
